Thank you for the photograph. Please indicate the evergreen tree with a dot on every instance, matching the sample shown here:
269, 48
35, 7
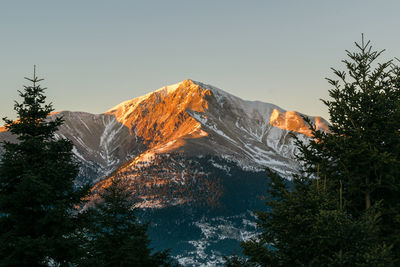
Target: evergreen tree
361, 153
344, 209
37, 195
306, 227
115, 237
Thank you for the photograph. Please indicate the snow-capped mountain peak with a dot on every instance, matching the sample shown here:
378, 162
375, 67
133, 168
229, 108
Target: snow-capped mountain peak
189, 117
196, 118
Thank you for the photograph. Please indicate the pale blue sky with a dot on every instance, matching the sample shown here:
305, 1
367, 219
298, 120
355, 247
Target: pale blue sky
96, 54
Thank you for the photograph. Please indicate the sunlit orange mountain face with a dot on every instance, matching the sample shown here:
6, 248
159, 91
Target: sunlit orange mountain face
188, 149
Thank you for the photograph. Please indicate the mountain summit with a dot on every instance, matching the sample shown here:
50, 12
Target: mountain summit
195, 118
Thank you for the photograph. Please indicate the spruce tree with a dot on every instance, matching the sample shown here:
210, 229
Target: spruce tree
306, 227
343, 210
37, 195
115, 236
361, 152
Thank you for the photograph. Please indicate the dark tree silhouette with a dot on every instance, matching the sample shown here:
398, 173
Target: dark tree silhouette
37, 195
344, 209
115, 237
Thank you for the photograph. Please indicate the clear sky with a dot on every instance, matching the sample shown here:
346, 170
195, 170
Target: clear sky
96, 54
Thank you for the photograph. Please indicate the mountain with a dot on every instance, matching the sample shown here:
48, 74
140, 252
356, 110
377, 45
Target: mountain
195, 155
188, 117
197, 119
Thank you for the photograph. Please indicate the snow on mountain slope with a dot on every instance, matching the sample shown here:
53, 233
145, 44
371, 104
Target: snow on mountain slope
188, 117
101, 143
194, 118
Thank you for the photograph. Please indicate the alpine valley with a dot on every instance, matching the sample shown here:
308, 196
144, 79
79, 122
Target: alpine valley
195, 157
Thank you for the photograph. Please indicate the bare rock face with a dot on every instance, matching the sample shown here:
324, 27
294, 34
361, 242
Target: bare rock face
292, 121
190, 118
162, 116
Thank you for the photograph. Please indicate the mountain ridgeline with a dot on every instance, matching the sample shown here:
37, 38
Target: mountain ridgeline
190, 118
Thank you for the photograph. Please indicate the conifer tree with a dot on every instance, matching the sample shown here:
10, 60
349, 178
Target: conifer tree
37, 195
361, 153
115, 237
306, 227
344, 209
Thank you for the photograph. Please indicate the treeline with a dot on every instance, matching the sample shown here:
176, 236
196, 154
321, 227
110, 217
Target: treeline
168, 179
344, 208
